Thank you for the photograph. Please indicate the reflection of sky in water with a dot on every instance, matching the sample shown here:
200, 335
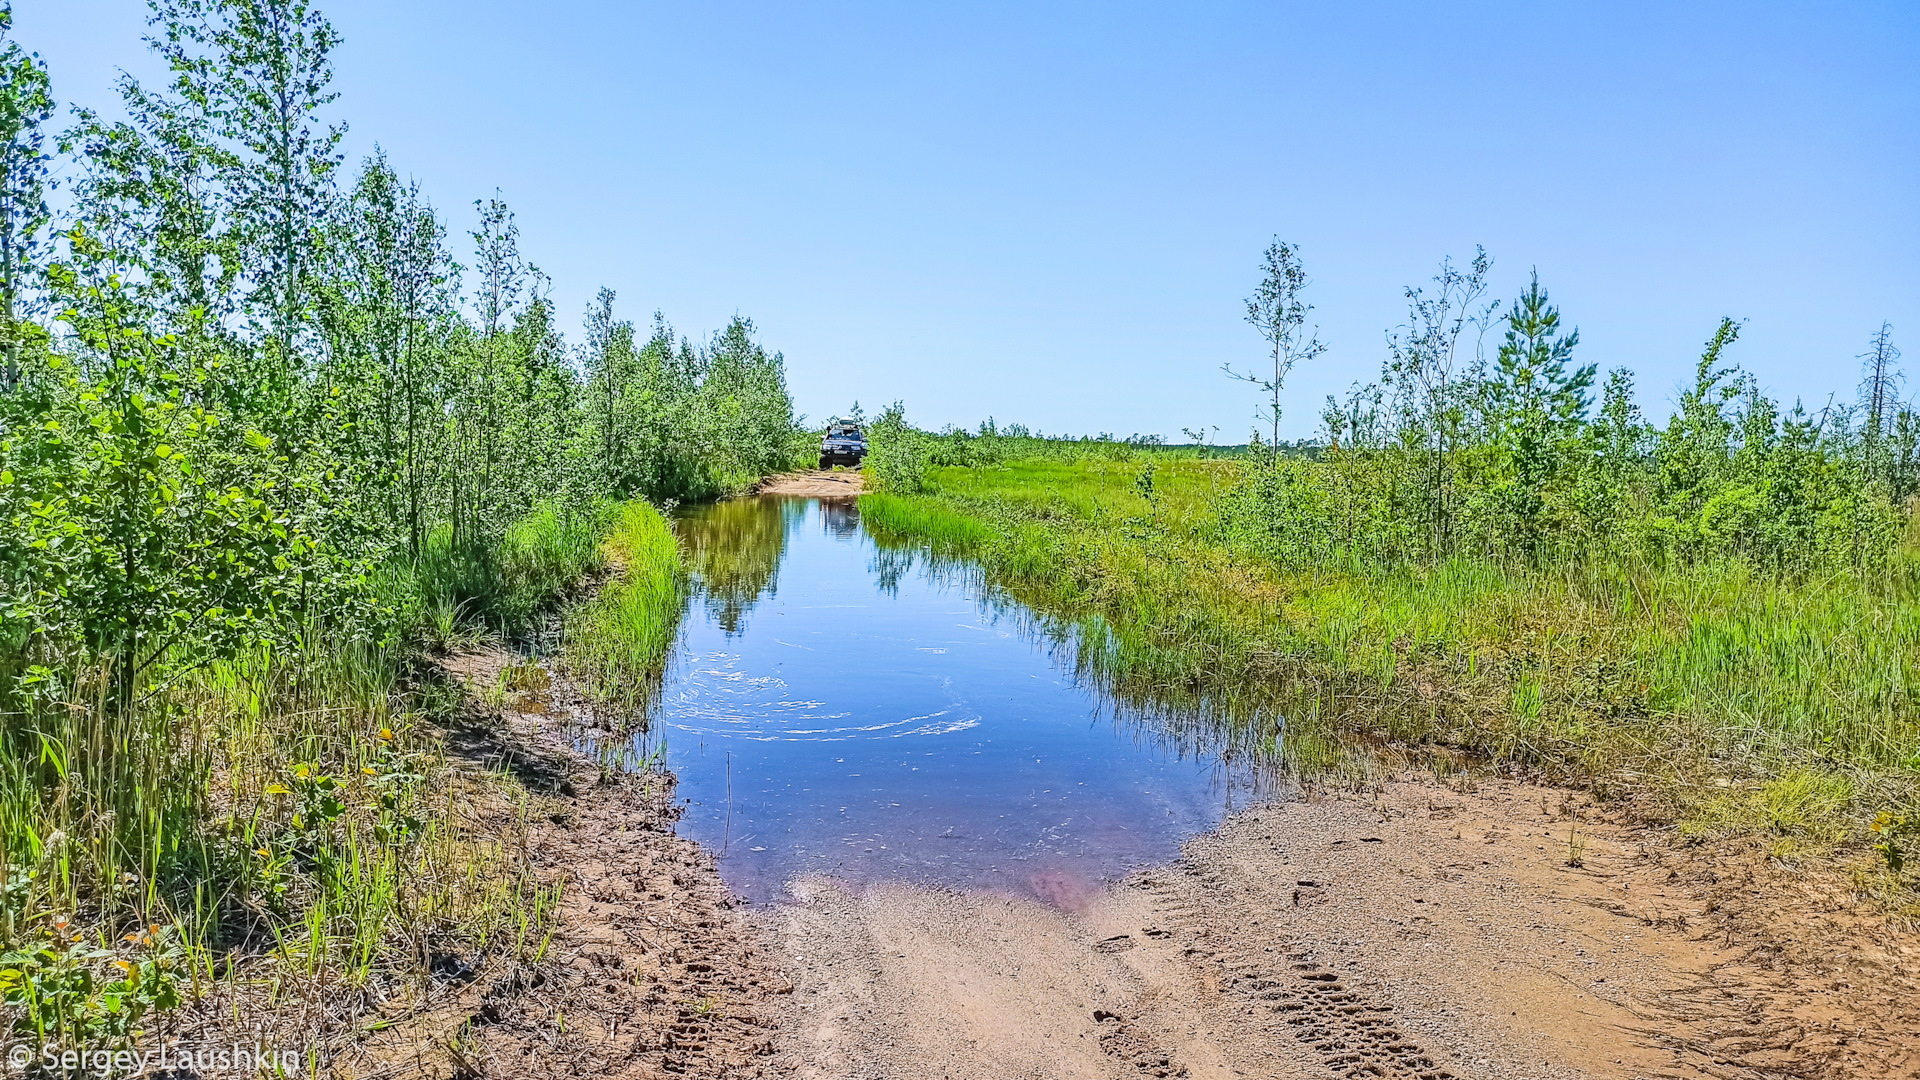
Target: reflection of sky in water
875, 734
714, 697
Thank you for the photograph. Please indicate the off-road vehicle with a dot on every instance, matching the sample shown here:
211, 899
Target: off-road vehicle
843, 445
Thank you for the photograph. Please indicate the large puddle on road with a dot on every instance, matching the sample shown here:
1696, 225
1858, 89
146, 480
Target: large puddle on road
838, 708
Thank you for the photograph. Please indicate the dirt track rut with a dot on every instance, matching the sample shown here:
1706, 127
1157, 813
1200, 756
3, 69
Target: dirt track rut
1419, 935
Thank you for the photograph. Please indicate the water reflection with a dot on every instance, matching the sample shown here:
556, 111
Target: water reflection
733, 549
841, 518
879, 716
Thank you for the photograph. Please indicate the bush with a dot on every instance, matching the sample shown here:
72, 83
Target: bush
897, 455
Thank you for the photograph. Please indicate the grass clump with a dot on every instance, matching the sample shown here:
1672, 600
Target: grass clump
271, 827
457, 589
1803, 804
619, 638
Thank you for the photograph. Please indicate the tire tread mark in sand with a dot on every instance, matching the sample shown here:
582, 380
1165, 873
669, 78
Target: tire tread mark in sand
1118, 1039
1355, 1037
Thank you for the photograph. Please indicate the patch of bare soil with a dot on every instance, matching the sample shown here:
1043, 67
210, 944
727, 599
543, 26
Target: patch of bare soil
651, 971
815, 483
1422, 933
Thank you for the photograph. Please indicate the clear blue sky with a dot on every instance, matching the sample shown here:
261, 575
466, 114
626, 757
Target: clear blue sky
1051, 213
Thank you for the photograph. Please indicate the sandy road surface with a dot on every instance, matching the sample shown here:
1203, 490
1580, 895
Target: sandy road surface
818, 483
1419, 934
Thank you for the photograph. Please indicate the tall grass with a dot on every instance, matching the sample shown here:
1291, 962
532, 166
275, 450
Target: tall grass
1700, 690
275, 823
619, 638
501, 586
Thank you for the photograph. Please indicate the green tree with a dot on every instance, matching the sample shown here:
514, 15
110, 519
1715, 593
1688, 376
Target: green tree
26, 102
1535, 407
1431, 391
1615, 471
384, 310
607, 357
1278, 310
254, 76
150, 192
177, 538
1694, 452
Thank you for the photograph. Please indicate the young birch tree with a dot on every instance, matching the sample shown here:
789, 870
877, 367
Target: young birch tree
1423, 369
256, 75
1277, 310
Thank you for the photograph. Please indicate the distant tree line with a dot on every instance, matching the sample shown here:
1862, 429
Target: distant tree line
1454, 451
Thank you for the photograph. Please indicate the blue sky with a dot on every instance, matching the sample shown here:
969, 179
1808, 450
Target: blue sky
1051, 213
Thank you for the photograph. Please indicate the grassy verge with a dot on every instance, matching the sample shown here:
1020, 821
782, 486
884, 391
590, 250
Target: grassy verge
618, 639
1721, 699
277, 835
454, 590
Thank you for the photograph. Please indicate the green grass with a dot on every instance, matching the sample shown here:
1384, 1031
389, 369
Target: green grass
502, 587
287, 818
1659, 685
619, 638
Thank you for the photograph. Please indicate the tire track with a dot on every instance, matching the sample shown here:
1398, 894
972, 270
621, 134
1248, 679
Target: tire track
1352, 1033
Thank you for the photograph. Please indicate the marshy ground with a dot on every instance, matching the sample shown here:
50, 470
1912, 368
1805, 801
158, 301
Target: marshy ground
1406, 927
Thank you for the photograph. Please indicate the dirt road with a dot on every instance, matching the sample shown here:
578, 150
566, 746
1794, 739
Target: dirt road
1420, 934
816, 483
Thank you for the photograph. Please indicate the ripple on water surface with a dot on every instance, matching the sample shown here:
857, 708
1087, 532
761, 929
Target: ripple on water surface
836, 708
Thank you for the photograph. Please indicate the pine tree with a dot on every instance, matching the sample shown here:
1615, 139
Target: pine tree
1535, 406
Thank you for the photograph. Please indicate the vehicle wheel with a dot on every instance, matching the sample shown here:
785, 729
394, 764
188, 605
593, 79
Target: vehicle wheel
826, 462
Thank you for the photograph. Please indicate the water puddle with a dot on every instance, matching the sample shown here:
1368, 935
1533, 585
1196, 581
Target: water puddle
838, 708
